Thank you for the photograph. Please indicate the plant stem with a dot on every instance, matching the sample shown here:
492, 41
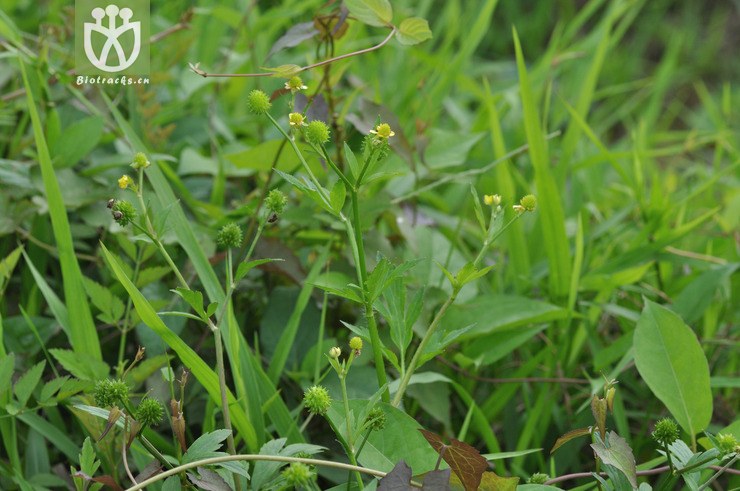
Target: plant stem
719, 472
350, 438
253, 457
420, 349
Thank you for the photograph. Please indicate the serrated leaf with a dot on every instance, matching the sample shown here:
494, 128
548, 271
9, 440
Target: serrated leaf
104, 300
83, 369
246, 267
413, 30
51, 387
208, 480
571, 435
377, 13
670, 359
194, 299
148, 275
399, 479
619, 455
337, 196
465, 461
28, 381
88, 459
205, 446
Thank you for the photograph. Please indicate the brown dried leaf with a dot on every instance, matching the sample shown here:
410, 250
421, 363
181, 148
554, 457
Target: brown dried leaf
465, 461
598, 409
399, 479
178, 424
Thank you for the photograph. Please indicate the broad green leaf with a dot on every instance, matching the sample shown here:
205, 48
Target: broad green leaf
619, 455
338, 195
413, 30
671, 361
149, 275
205, 446
82, 333
262, 156
110, 305
78, 367
376, 13
205, 375
28, 381
494, 346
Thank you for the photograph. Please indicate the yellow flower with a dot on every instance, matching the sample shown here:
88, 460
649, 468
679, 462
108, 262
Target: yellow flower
125, 182
296, 119
492, 199
383, 131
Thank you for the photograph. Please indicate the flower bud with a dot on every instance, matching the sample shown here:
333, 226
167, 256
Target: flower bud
125, 182
529, 202
317, 132
230, 235
258, 102
297, 475
109, 393
666, 432
276, 201
355, 343
296, 120
150, 412
538, 478
335, 352
295, 84
317, 400
140, 161
492, 199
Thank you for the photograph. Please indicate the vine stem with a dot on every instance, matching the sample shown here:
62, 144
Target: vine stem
719, 472
205, 74
266, 458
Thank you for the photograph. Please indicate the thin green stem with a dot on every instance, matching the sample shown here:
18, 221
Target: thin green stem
488, 242
129, 305
334, 167
719, 472
420, 349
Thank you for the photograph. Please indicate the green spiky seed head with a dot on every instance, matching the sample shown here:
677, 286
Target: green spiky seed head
150, 412
666, 431
258, 102
376, 419
538, 478
727, 443
140, 161
317, 132
123, 212
529, 202
317, 400
276, 201
109, 393
297, 474
355, 343
230, 235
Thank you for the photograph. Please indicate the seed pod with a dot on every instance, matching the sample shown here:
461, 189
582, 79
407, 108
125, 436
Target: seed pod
111, 202
117, 215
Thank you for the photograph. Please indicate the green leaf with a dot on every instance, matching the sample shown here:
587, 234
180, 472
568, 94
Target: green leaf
510, 455
205, 375
193, 298
205, 446
149, 275
671, 361
478, 210
51, 387
80, 368
88, 459
572, 434
261, 157
7, 364
413, 30
338, 195
283, 71
53, 434
7, 265
77, 141
354, 167
619, 455
82, 333
28, 381
376, 13
694, 299
449, 148
110, 305
246, 266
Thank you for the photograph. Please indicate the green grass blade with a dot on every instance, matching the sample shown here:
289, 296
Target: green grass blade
57, 307
550, 210
52, 433
285, 344
82, 333
207, 377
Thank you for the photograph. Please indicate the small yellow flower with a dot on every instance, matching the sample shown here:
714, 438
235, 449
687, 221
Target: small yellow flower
492, 199
383, 131
125, 182
295, 84
296, 119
